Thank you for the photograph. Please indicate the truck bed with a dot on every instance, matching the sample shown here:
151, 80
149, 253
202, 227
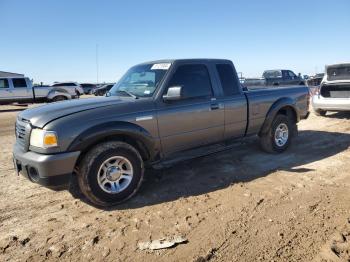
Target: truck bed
260, 101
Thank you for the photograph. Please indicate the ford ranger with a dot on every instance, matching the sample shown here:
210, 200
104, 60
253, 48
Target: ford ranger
159, 112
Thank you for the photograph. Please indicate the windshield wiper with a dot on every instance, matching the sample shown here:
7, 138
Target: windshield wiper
128, 93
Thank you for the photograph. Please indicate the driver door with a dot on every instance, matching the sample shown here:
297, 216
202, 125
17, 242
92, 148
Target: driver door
194, 120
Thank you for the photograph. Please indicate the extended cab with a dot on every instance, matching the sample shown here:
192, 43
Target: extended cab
158, 112
20, 89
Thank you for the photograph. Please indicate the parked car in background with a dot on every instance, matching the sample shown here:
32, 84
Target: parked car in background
158, 113
314, 83
70, 86
334, 91
275, 78
101, 91
87, 88
20, 89
315, 80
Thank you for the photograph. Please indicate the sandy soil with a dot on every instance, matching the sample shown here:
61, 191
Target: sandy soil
238, 205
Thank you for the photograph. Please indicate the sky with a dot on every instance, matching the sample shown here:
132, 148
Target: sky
51, 40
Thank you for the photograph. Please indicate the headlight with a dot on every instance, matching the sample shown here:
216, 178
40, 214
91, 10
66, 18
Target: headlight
42, 138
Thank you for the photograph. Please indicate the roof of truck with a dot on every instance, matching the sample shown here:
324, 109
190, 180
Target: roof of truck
187, 60
271, 70
10, 75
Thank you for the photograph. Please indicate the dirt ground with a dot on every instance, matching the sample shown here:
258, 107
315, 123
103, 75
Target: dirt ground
238, 205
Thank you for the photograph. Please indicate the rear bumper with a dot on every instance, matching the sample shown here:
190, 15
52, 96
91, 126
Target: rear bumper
331, 104
47, 170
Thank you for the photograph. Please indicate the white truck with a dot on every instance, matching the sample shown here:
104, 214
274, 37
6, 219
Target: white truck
20, 89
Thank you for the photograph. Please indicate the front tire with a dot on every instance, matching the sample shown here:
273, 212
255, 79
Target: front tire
278, 138
110, 173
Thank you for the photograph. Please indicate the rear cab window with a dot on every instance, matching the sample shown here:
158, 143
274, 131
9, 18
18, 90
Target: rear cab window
227, 79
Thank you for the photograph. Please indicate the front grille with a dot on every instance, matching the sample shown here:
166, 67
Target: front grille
22, 130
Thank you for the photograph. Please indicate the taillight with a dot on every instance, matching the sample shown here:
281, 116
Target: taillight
317, 91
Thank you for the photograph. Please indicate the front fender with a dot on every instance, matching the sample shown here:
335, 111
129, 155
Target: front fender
112, 130
285, 102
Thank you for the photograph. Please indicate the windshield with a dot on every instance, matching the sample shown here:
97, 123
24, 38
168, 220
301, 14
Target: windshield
140, 81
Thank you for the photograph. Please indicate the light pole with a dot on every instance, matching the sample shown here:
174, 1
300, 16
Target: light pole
97, 63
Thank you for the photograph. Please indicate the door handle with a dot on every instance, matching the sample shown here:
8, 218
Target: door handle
214, 106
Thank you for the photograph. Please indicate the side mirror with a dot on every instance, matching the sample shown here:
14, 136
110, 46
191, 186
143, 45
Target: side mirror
108, 94
174, 93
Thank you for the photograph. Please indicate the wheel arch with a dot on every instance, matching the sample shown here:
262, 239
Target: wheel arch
56, 91
130, 133
285, 106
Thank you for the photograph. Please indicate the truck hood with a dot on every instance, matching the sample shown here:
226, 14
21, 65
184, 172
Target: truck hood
42, 115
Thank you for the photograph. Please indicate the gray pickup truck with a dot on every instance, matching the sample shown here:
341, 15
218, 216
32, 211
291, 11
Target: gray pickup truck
158, 113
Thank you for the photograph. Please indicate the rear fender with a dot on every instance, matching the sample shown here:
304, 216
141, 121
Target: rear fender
54, 92
282, 103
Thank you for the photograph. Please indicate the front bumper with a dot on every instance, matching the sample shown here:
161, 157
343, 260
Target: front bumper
331, 104
52, 171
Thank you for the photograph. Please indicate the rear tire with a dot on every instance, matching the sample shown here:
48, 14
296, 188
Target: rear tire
108, 183
278, 138
320, 112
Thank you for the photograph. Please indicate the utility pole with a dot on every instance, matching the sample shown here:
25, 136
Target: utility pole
97, 64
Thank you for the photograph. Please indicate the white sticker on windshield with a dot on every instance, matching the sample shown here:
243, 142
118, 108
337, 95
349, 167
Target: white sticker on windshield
161, 66
147, 92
